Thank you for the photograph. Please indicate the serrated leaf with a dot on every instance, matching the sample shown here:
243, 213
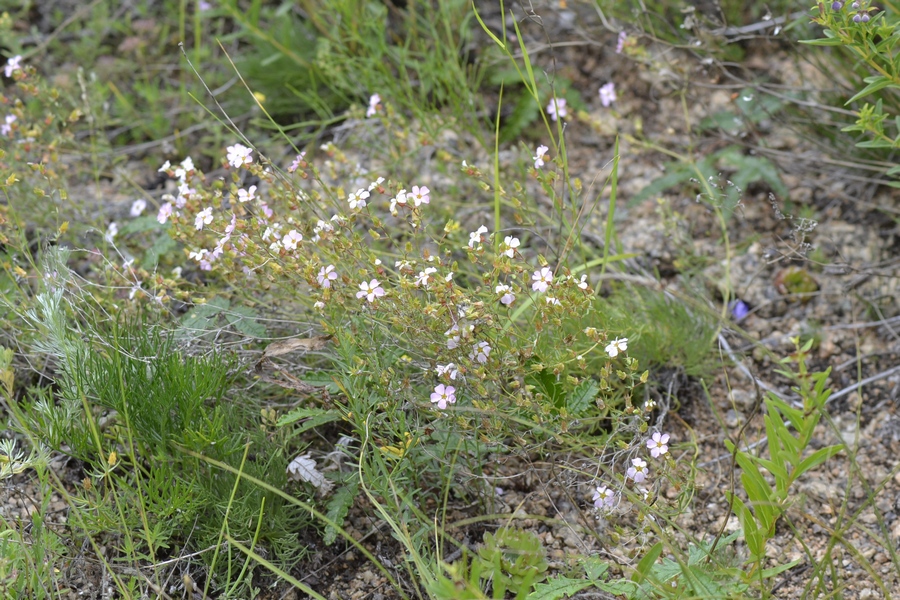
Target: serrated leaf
558, 587
582, 397
338, 507
301, 413
202, 316
244, 320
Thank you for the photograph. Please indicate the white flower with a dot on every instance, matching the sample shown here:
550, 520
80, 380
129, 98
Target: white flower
475, 238
239, 155
506, 295
638, 470
203, 217
326, 276
449, 369
12, 65
480, 352
374, 101
376, 183
370, 290
658, 444
604, 498
542, 280
552, 301
509, 246
247, 195
539, 156
165, 211
111, 232
608, 94
616, 346
166, 166
423, 276
582, 283
557, 108
358, 199
138, 207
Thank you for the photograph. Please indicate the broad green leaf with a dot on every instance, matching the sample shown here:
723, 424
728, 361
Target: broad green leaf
780, 568
300, 413
643, 568
817, 458
244, 320
876, 82
202, 316
558, 587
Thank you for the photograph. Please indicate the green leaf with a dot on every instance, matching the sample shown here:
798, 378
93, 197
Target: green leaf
202, 316
558, 587
141, 224
244, 320
679, 173
161, 246
876, 82
301, 413
829, 42
780, 568
582, 397
621, 587
643, 568
817, 458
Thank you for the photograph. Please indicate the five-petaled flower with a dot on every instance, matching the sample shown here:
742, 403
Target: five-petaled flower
239, 155
638, 470
540, 155
616, 346
480, 352
557, 108
542, 280
291, 240
443, 395
247, 195
326, 276
203, 217
658, 444
424, 276
475, 238
358, 199
420, 195
370, 290
608, 94
507, 297
509, 246
604, 498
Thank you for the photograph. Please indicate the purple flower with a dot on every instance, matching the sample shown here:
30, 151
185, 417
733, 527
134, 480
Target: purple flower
608, 94
620, 42
443, 395
739, 310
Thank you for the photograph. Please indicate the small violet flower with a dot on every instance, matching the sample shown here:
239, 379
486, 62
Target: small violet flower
739, 310
542, 279
296, 164
608, 94
370, 290
557, 108
165, 211
443, 395
638, 470
540, 155
616, 346
658, 444
239, 155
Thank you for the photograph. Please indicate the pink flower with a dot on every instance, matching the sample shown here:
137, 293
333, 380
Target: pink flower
638, 470
374, 101
542, 279
165, 211
658, 444
239, 155
539, 156
420, 195
370, 291
443, 395
620, 42
296, 164
6, 128
326, 276
604, 498
291, 240
247, 195
557, 108
608, 94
